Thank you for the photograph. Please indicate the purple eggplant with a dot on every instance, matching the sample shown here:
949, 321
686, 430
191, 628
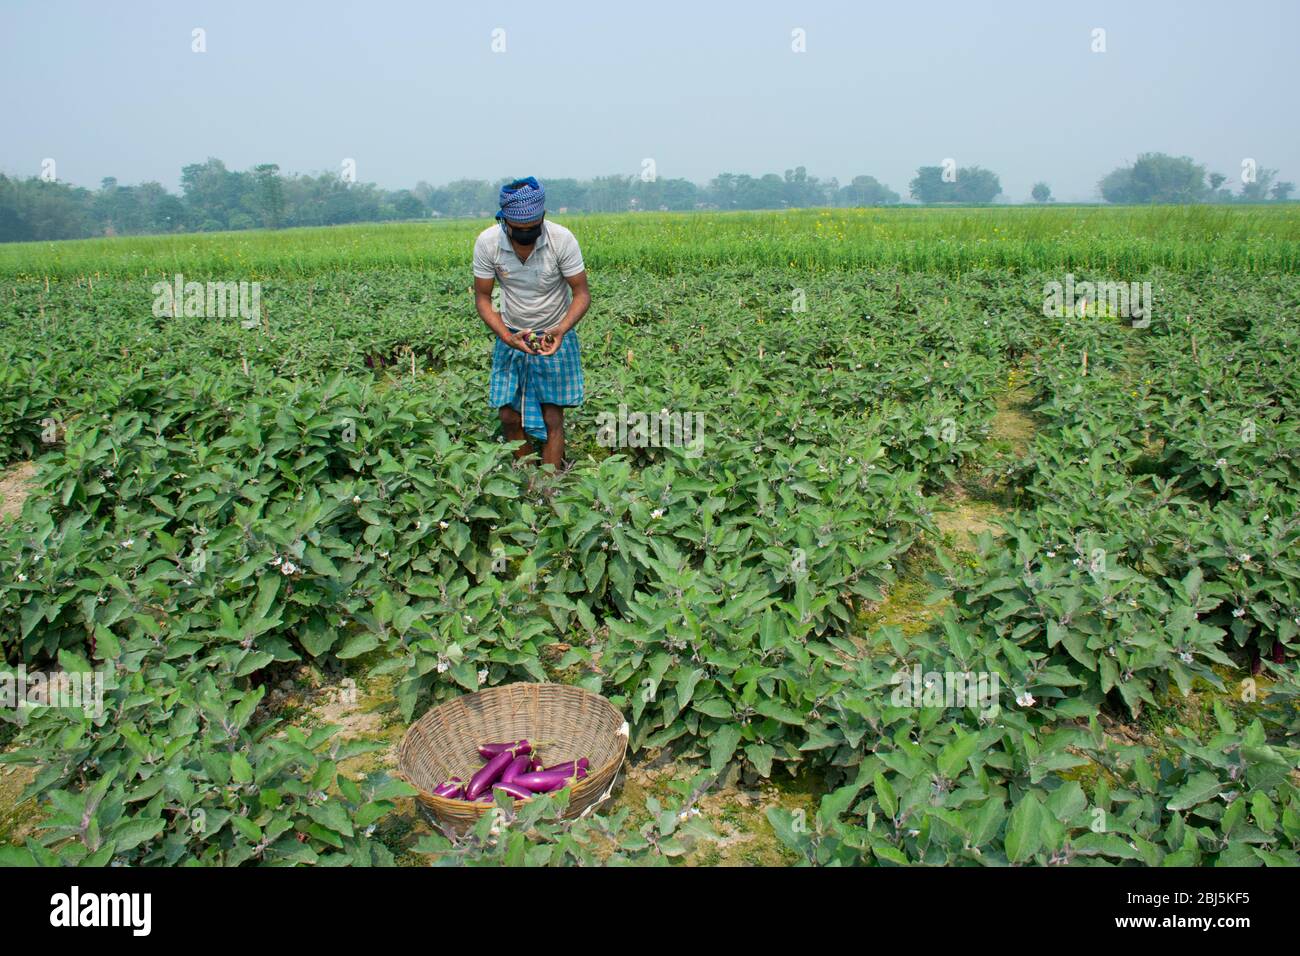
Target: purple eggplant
490, 773
544, 781
488, 751
453, 789
516, 791
568, 766
521, 764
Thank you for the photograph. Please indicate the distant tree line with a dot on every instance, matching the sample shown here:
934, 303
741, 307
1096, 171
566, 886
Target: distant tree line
214, 197
937, 184
1160, 178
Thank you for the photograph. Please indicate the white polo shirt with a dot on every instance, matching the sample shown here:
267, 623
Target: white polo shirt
534, 295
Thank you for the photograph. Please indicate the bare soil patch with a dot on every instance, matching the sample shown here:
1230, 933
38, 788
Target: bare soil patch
15, 487
963, 518
17, 819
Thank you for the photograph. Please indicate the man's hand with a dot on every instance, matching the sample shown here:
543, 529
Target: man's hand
549, 343
517, 341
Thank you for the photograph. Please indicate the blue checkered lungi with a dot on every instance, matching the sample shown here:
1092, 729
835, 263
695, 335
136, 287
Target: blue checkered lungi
525, 381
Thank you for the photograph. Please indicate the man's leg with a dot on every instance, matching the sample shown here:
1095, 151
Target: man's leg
553, 450
512, 426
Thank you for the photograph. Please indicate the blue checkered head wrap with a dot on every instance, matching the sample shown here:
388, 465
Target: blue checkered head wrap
522, 201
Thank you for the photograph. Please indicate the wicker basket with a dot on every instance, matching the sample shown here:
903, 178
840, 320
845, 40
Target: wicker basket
562, 722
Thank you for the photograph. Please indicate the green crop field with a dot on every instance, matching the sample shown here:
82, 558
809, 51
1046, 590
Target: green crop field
1250, 238
944, 579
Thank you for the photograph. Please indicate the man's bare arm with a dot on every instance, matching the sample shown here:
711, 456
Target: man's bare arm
492, 318
580, 304
577, 309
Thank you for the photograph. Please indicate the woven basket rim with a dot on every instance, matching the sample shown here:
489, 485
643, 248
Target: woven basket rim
585, 785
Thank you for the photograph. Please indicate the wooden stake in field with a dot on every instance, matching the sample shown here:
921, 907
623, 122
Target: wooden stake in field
1085, 362
629, 358
1194, 358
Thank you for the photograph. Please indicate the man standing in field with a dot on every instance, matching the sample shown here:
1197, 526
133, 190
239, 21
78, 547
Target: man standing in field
536, 368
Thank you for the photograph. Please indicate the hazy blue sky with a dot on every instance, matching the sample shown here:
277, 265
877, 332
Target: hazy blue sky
412, 90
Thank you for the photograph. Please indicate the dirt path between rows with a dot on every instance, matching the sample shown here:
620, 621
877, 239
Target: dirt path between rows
15, 486
967, 508
17, 819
